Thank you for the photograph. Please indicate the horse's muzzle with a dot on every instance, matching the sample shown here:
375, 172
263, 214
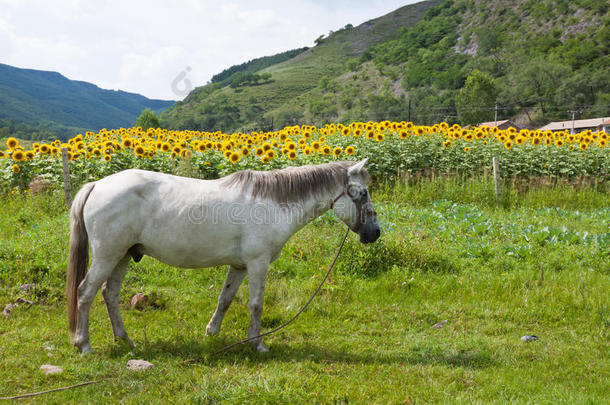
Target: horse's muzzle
369, 232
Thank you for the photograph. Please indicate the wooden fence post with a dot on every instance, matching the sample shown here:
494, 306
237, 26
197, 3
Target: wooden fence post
497, 182
66, 169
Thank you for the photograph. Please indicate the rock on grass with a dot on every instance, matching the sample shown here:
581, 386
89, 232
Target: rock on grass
49, 369
139, 301
139, 365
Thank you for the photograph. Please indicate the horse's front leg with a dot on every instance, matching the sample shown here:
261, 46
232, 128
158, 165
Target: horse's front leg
257, 277
234, 278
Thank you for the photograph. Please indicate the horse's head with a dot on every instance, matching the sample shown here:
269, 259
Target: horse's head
354, 207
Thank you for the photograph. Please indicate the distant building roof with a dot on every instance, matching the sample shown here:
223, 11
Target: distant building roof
493, 123
561, 125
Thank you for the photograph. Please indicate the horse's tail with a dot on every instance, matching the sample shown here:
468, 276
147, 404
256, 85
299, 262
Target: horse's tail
79, 254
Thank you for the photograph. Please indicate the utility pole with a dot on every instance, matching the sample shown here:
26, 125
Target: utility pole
496, 115
573, 117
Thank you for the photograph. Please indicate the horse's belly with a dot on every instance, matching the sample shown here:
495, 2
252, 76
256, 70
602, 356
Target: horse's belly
184, 251
197, 263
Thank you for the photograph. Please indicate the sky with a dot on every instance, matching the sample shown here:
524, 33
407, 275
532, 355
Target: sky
161, 49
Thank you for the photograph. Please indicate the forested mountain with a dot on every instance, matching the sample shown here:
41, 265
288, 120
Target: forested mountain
284, 96
39, 104
533, 60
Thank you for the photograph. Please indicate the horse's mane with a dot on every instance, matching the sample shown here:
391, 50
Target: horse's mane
293, 183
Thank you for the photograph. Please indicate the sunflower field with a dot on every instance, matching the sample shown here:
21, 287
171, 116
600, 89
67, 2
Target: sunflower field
394, 148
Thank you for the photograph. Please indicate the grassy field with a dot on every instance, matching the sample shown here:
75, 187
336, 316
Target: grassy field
538, 264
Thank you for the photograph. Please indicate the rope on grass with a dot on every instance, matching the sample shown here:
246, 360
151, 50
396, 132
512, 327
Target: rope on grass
33, 394
291, 319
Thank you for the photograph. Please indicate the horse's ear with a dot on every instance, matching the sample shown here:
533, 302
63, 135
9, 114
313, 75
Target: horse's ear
357, 168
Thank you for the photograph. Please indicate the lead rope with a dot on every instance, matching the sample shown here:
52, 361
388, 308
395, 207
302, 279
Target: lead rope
297, 314
217, 351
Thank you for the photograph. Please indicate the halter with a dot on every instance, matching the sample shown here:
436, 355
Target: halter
332, 204
357, 201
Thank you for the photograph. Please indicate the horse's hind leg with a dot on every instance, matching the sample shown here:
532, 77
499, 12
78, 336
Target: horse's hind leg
234, 279
111, 292
257, 277
99, 272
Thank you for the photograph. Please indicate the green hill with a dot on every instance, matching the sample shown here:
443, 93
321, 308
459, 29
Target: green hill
258, 105
431, 61
35, 102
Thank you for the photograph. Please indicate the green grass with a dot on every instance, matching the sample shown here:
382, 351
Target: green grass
495, 274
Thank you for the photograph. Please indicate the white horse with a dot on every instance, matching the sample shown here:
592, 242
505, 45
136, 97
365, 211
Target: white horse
242, 220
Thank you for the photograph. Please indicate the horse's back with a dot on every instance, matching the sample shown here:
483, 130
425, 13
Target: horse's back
162, 214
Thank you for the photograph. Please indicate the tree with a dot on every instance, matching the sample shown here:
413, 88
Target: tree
387, 107
288, 116
324, 82
323, 109
148, 119
536, 82
475, 100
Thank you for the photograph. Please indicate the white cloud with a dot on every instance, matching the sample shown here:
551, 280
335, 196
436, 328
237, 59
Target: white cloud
142, 46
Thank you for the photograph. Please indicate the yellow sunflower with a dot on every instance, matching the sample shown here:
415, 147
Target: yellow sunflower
12, 143
18, 156
234, 157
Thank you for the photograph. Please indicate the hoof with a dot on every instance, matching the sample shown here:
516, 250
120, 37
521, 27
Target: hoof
210, 330
126, 340
86, 349
261, 348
